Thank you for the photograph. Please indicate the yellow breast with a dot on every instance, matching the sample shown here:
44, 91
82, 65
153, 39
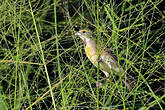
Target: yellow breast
91, 53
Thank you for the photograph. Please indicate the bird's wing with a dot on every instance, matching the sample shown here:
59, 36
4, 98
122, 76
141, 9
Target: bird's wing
108, 58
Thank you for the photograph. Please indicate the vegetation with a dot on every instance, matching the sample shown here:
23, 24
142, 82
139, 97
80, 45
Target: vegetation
43, 64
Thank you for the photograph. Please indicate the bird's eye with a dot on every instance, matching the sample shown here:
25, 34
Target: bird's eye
83, 31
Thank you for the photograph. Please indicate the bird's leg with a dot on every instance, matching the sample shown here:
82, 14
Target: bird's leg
99, 83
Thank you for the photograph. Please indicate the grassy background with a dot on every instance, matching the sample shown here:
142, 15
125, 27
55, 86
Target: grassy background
38, 51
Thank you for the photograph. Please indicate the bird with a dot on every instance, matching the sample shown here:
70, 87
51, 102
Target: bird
106, 60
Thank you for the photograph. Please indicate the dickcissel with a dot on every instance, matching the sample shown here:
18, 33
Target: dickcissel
107, 62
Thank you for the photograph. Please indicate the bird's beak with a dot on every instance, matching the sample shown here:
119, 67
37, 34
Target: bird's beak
77, 34
80, 35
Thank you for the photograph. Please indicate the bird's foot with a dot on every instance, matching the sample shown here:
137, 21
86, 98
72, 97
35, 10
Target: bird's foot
99, 83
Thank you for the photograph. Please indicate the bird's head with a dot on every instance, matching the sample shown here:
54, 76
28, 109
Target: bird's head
84, 34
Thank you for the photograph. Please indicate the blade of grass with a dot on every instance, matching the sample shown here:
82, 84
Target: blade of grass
42, 55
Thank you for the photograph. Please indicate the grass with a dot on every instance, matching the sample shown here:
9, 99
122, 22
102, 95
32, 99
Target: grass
43, 65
